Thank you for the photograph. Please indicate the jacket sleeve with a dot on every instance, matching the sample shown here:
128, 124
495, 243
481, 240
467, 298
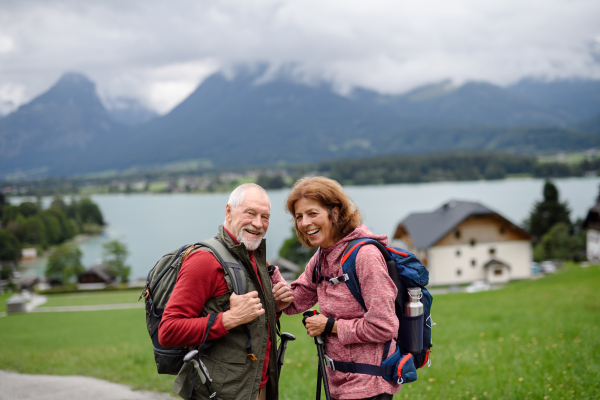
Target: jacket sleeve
304, 291
379, 323
201, 278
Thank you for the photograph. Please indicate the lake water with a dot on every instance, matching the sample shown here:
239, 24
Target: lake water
152, 225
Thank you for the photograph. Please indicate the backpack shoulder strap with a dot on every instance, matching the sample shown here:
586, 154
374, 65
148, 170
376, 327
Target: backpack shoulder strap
231, 265
349, 265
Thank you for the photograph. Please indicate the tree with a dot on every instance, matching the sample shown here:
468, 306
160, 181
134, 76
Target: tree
2, 202
547, 213
558, 244
90, 212
115, 254
293, 250
10, 249
64, 264
270, 182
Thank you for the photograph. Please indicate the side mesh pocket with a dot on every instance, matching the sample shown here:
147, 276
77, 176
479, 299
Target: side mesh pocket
411, 334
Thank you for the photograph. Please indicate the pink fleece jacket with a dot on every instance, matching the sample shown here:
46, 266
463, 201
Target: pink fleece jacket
361, 335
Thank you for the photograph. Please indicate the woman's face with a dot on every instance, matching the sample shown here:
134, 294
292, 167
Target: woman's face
312, 219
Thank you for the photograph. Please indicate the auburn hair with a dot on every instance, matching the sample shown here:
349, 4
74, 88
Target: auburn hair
330, 195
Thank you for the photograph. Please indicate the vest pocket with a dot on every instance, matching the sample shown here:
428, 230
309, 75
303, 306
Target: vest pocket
227, 373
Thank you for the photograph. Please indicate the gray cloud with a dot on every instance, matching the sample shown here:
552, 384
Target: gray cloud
158, 51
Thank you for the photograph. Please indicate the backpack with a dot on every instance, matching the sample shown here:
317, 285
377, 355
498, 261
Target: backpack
160, 284
406, 272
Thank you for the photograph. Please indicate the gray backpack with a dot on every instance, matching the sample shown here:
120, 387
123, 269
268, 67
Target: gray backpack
160, 284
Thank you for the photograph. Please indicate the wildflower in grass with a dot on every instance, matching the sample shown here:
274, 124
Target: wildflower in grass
431, 379
299, 365
481, 334
501, 339
452, 382
564, 372
520, 379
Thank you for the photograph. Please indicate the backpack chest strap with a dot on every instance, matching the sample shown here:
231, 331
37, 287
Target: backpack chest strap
358, 368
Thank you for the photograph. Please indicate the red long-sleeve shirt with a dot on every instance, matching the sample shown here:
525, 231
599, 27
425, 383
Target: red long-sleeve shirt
201, 278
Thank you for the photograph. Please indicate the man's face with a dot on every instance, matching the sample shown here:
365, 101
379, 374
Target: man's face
249, 222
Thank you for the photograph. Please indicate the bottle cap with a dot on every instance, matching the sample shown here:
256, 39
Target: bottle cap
415, 292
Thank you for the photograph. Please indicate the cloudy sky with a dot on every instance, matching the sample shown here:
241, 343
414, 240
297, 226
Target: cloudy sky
158, 51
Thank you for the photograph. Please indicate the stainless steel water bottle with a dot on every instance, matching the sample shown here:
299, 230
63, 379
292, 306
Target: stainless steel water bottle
414, 307
412, 323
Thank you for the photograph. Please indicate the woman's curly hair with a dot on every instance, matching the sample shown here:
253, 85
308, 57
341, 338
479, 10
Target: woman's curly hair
330, 195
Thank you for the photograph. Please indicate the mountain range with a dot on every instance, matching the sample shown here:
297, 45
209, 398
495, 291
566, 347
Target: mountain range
239, 121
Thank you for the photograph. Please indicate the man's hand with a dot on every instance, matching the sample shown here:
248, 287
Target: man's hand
283, 296
243, 309
316, 325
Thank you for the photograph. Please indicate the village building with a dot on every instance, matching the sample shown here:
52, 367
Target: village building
462, 242
592, 224
97, 277
28, 254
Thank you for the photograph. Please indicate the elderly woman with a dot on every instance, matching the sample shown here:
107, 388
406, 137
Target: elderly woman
326, 217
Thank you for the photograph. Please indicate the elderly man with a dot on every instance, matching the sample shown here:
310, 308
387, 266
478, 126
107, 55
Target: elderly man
203, 287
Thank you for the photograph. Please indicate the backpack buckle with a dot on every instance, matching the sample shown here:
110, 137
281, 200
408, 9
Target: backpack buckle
339, 279
329, 362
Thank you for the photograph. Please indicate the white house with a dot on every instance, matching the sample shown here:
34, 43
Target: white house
462, 242
592, 224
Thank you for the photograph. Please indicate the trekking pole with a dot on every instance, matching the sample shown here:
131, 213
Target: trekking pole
201, 371
285, 338
321, 373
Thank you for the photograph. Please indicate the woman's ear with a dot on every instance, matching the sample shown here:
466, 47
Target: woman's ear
336, 213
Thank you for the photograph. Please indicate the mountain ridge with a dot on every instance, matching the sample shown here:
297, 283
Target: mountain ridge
236, 121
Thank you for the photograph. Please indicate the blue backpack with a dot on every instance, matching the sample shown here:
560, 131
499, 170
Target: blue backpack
407, 272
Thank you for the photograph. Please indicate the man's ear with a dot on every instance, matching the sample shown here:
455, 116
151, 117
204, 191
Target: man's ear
228, 216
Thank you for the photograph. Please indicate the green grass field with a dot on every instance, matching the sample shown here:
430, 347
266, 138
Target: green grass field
535, 339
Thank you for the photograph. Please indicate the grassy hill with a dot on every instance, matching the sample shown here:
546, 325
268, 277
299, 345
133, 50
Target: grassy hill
535, 339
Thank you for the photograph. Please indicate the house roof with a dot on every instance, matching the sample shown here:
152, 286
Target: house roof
426, 229
592, 220
100, 270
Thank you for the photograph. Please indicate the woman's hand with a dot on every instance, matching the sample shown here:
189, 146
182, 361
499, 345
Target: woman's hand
283, 296
316, 325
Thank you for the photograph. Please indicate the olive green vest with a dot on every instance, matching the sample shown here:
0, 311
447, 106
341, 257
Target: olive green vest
234, 375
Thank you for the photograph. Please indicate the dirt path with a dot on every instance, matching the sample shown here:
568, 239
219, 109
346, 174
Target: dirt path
15, 386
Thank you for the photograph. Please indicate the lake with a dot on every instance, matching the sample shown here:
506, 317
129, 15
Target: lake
152, 225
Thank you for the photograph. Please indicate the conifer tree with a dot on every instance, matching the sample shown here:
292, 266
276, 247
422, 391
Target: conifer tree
549, 212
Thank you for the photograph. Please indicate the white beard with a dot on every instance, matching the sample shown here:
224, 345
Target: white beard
250, 243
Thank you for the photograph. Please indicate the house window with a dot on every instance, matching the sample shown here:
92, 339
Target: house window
498, 271
492, 250
473, 263
458, 272
457, 234
457, 253
472, 242
502, 230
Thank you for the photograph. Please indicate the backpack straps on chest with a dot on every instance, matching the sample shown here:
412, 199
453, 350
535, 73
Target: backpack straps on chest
231, 265
237, 274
